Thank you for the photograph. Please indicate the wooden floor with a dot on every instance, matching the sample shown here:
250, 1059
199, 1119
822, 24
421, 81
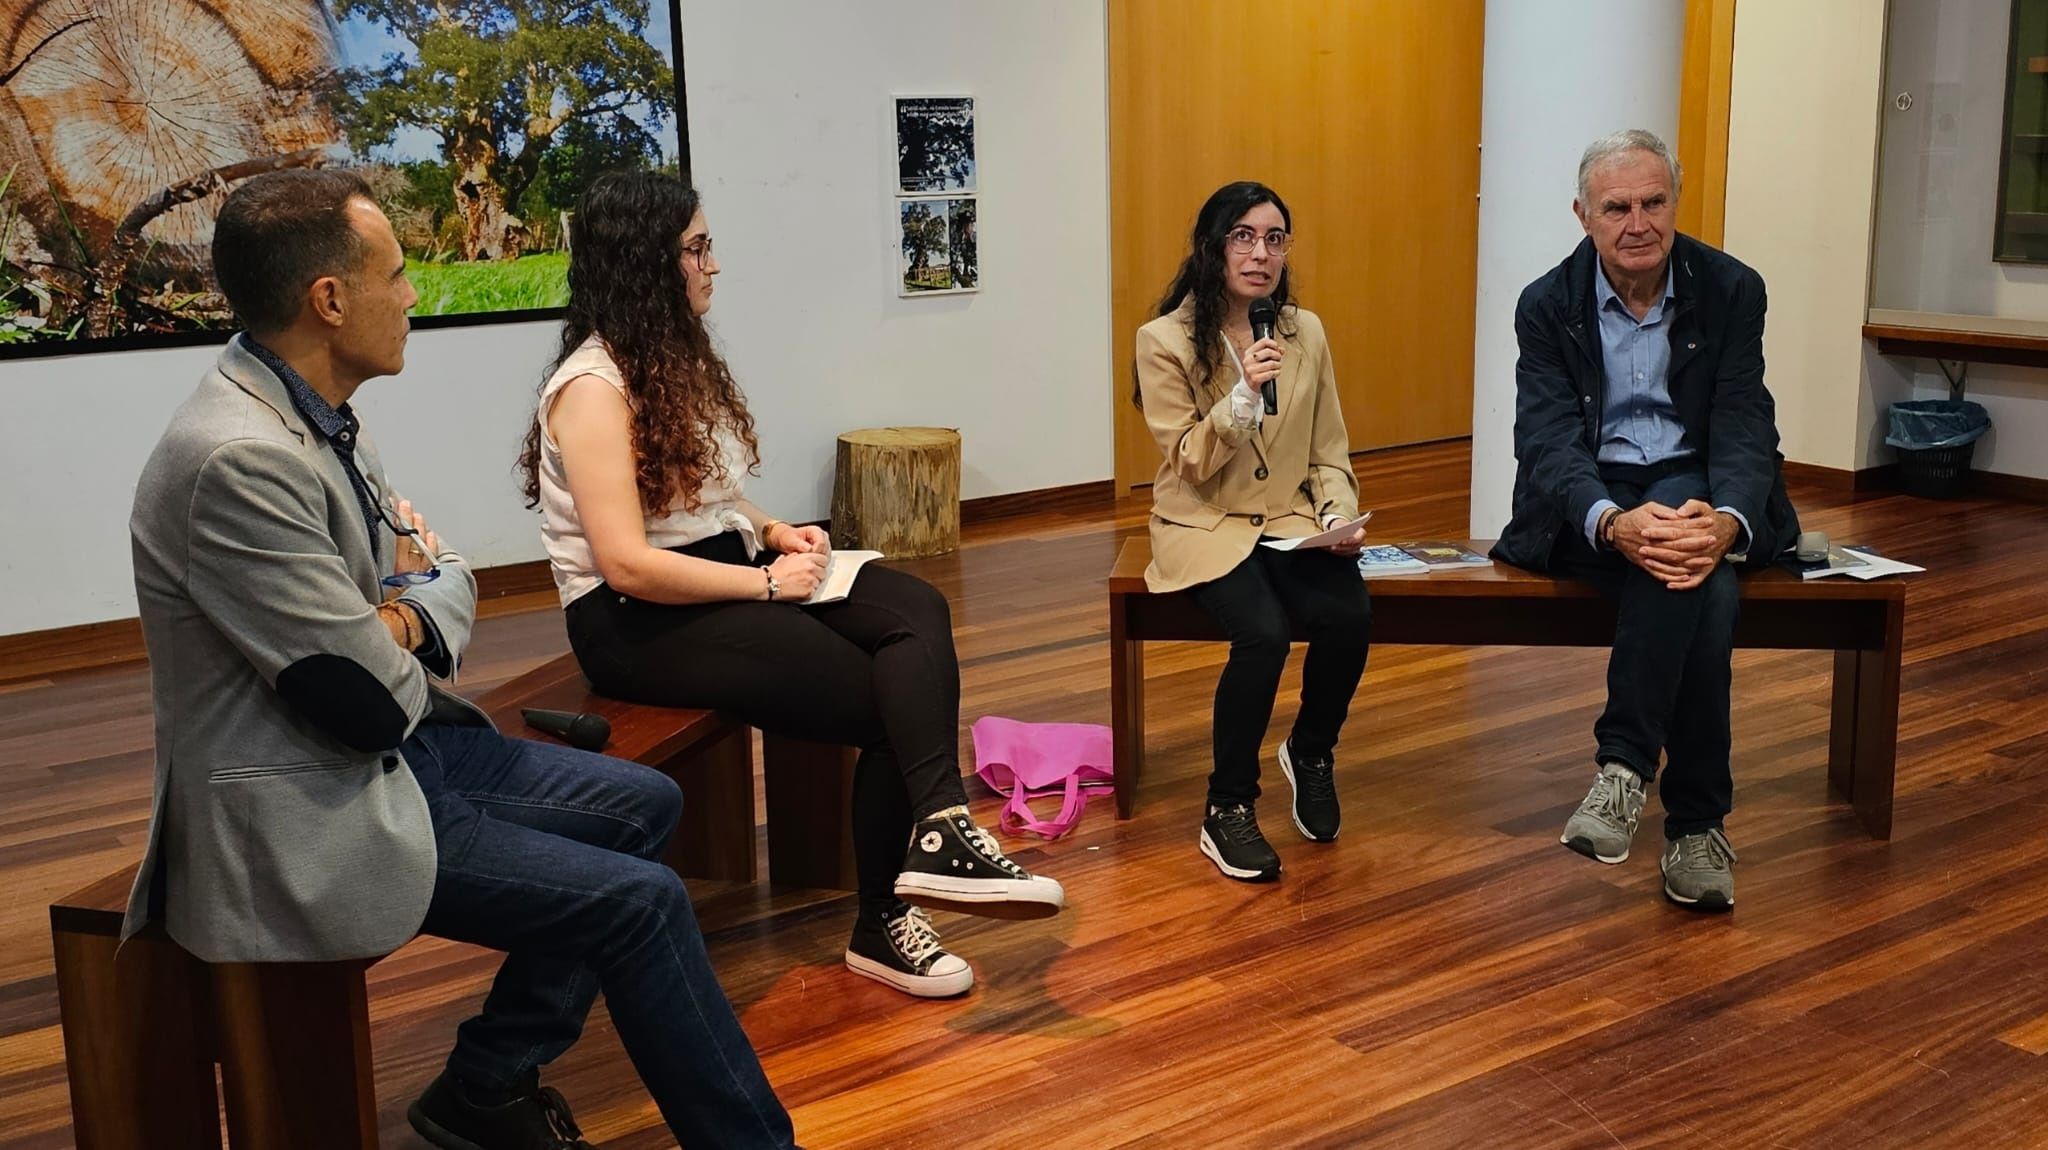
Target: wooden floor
1446, 975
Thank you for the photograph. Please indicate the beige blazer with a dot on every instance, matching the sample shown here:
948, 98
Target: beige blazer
1220, 488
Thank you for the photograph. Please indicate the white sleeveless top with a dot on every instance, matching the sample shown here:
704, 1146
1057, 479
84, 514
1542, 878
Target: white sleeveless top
561, 529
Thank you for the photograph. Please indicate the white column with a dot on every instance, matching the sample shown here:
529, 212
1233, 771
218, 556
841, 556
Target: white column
1557, 74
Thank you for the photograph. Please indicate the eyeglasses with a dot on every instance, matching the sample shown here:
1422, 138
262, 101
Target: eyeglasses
405, 578
699, 251
1243, 240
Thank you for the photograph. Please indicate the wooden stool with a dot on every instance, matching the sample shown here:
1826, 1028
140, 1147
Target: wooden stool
142, 1035
897, 490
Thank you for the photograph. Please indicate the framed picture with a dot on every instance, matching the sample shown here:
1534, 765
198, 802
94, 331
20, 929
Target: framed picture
124, 123
938, 245
934, 144
2021, 229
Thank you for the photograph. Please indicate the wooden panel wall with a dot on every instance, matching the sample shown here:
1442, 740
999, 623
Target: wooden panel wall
1703, 118
1364, 116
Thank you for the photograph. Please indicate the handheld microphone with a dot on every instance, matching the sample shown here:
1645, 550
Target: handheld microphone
1263, 314
585, 732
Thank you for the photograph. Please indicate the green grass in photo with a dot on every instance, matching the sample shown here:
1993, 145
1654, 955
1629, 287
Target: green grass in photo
457, 288
930, 278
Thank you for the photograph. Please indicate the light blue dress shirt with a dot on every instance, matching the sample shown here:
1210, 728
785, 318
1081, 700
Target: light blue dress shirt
1638, 422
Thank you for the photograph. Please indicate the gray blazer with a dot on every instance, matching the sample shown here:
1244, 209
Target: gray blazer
286, 825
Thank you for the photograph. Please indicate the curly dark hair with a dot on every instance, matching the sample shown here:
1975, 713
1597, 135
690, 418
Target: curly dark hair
626, 285
1201, 274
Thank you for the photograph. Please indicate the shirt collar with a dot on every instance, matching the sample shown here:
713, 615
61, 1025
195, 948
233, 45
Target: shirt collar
330, 421
1603, 292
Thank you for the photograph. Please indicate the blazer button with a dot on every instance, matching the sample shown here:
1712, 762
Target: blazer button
1259, 474
390, 763
1258, 521
1585, 399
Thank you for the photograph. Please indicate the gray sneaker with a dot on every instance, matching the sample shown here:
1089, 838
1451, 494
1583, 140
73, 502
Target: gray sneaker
1603, 825
1699, 871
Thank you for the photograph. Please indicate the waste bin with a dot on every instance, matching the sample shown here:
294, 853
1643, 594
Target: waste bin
1936, 438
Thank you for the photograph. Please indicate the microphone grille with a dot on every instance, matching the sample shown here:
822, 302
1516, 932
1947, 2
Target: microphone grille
591, 730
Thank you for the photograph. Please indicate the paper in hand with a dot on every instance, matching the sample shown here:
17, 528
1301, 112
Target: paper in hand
1335, 536
839, 573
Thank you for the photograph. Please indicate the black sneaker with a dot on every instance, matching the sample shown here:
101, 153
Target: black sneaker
1231, 839
955, 865
899, 947
535, 1119
1315, 793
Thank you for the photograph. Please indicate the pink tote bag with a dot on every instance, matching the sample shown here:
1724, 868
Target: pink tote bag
1022, 761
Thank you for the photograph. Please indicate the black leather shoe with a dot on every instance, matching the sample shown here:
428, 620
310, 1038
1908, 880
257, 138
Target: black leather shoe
535, 1119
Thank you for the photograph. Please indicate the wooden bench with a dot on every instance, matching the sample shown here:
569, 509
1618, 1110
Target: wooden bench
142, 1035
709, 755
1862, 623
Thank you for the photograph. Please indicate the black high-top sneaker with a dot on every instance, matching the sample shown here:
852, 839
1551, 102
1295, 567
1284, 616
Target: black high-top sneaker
535, 1118
955, 865
1231, 839
1315, 793
899, 947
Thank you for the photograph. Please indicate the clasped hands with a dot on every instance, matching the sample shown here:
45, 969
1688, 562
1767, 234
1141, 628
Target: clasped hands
1679, 546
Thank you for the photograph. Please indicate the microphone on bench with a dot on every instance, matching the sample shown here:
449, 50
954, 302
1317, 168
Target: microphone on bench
580, 730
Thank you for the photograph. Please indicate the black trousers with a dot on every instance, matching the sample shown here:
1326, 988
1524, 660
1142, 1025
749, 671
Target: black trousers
875, 671
1258, 604
1668, 676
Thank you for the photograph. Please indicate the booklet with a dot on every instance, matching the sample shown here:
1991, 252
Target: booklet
1440, 554
1838, 562
1331, 538
840, 568
1854, 561
1385, 559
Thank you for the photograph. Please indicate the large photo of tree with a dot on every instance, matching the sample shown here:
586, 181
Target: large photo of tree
124, 123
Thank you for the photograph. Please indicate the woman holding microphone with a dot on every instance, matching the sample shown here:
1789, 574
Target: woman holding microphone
1235, 474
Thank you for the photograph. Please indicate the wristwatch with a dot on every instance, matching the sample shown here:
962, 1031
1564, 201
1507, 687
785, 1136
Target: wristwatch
774, 588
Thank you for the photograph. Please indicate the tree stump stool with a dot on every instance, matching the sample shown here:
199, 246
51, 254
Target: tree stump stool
897, 490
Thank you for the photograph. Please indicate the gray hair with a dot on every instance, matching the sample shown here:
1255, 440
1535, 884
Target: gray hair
1617, 143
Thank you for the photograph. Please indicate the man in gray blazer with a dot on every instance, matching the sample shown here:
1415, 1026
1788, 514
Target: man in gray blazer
317, 796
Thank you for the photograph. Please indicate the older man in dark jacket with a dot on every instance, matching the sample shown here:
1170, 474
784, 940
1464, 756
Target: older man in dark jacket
1646, 462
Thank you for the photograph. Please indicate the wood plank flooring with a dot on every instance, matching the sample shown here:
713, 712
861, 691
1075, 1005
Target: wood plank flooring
1446, 975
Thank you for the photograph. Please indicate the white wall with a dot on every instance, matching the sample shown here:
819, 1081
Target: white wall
1937, 202
791, 143
1802, 154
1535, 121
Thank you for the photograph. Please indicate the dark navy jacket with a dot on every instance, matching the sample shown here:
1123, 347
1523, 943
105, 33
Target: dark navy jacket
1717, 384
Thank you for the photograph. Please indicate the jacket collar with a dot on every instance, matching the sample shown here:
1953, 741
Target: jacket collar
242, 368
1574, 296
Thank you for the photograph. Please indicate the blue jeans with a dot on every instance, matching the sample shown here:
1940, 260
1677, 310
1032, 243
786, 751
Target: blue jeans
1668, 677
551, 855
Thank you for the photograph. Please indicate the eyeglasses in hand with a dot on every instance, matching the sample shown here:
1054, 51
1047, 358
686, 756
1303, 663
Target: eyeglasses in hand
407, 578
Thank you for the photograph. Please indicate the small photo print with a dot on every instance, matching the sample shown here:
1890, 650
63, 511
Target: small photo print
934, 144
927, 265
962, 259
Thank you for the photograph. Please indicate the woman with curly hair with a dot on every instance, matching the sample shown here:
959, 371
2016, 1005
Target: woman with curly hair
1236, 473
680, 592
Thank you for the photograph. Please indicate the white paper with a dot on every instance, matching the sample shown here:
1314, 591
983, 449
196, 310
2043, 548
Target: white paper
1878, 566
840, 568
1341, 533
